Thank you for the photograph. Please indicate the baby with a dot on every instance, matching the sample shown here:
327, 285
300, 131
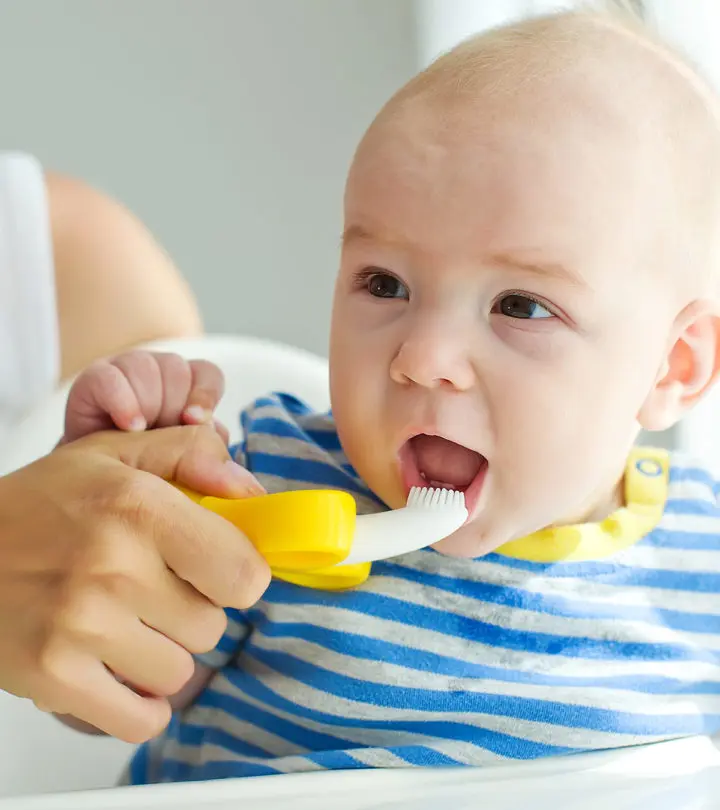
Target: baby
528, 278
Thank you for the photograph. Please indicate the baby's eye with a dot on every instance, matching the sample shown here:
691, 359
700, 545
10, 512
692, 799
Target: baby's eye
383, 285
521, 306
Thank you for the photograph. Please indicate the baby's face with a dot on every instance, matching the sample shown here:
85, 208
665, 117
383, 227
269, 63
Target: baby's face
496, 326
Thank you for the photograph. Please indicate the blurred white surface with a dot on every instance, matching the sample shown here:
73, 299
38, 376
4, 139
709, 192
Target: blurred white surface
679, 775
37, 753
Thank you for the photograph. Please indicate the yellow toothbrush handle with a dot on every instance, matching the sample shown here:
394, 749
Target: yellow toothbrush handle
337, 578
303, 534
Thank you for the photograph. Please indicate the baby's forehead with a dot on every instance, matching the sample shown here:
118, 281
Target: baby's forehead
577, 129
575, 82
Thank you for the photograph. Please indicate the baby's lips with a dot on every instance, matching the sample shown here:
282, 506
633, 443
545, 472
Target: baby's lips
244, 482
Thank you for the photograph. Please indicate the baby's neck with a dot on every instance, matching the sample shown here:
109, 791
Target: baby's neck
601, 506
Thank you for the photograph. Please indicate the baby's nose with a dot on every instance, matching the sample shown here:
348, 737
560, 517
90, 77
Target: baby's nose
431, 360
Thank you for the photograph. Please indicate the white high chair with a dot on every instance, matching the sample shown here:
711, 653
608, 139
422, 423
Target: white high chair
40, 756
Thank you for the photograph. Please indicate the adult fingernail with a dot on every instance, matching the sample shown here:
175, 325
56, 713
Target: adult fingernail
250, 485
137, 424
198, 414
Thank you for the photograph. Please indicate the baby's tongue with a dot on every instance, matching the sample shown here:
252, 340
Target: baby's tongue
443, 462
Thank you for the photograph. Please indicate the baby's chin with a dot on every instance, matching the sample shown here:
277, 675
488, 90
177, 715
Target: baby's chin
468, 541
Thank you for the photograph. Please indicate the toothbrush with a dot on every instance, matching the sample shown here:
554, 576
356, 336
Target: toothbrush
429, 516
314, 537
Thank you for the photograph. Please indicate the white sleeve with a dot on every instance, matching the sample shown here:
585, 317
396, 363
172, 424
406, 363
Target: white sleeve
29, 339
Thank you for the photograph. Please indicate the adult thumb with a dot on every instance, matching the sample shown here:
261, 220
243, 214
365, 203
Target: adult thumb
192, 455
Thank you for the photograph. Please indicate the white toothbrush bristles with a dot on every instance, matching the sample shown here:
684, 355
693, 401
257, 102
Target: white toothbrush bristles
433, 498
431, 514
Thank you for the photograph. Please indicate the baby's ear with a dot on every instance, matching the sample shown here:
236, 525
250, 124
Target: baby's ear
690, 368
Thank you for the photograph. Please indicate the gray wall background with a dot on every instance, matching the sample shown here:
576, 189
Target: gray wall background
226, 125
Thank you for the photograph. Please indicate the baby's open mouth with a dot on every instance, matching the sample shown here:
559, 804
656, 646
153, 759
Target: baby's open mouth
434, 461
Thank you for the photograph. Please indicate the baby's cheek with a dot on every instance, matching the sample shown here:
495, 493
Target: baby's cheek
354, 430
535, 341
361, 429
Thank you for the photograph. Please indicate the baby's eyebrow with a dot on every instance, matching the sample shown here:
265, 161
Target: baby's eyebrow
554, 270
508, 259
353, 233
359, 233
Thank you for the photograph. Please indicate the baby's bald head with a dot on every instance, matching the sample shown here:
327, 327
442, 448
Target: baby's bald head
531, 231
597, 85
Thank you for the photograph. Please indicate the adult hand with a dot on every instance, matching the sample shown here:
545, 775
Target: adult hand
109, 575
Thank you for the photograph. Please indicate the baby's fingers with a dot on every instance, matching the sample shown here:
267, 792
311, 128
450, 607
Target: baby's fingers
102, 398
208, 385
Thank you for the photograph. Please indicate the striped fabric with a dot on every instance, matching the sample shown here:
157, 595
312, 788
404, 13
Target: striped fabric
439, 661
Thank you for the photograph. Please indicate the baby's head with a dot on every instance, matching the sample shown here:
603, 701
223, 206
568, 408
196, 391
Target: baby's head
528, 272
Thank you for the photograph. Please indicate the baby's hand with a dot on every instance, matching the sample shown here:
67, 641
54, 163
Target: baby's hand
140, 390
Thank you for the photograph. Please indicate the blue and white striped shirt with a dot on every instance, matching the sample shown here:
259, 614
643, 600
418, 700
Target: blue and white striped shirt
438, 660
